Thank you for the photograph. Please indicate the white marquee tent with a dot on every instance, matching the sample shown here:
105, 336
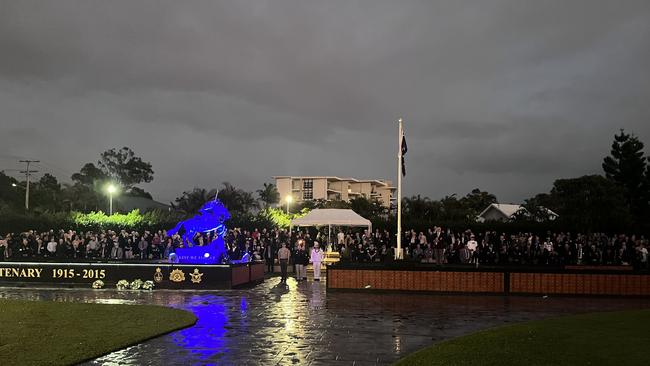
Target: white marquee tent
332, 217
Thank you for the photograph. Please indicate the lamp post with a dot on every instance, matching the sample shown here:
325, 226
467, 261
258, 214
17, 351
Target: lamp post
289, 199
111, 189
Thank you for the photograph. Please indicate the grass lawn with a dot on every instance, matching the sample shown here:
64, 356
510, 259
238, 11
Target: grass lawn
617, 338
60, 333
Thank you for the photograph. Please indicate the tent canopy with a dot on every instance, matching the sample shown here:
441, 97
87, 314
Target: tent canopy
331, 217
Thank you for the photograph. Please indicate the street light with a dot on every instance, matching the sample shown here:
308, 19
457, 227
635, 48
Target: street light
289, 199
111, 189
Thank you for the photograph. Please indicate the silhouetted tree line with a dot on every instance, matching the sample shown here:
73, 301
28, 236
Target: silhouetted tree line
618, 200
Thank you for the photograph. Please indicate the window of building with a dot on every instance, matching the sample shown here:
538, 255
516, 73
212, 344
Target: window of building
308, 189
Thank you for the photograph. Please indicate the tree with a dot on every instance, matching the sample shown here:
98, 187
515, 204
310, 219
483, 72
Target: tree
420, 207
453, 210
89, 175
139, 192
370, 209
49, 182
125, 167
269, 195
335, 204
318, 203
10, 195
81, 197
646, 198
47, 193
229, 196
235, 199
537, 208
247, 202
306, 205
121, 166
476, 201
191, 201
86, 191
627, 167
590, 203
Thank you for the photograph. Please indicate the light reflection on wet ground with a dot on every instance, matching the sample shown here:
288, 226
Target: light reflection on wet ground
299, 324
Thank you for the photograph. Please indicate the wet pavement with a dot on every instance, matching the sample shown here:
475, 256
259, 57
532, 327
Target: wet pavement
299, 324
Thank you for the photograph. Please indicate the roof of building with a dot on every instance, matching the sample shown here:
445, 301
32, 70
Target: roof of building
331, 216
508, 210
505, 208
549, 211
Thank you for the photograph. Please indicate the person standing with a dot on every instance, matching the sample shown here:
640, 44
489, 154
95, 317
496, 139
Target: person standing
472, 245
4, 248
51, 247
269, 256
116, 251
439, 250
643, 256
104, 249
439, 242
128, 249
283, 257
301, 260
142, 247
340, 239
316, 258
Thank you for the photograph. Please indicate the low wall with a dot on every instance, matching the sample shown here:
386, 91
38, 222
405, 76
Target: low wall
490, 280
257, 271
164, 275
477, 282
580, 284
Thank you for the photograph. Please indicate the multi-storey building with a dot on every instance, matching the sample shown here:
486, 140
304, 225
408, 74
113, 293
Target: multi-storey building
334, 188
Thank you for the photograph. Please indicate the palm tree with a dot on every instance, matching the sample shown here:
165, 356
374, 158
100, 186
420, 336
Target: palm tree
190, 202
235, 199
269, 195
247, 201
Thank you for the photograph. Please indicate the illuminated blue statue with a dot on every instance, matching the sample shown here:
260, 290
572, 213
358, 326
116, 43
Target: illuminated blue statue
212, 217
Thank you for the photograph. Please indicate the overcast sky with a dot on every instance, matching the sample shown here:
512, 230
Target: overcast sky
502, 95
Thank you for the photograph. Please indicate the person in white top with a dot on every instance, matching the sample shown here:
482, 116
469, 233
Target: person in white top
316, 258
51, 247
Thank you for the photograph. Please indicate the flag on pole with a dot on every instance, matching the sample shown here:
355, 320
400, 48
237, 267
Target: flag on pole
404, 149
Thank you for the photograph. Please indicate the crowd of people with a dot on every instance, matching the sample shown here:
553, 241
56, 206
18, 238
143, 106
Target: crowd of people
442, 246
128, 245
436, 245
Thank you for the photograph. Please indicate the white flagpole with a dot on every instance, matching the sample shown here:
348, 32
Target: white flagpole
400, 134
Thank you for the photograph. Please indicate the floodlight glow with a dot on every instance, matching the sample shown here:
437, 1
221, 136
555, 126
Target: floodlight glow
14, 185
111, 188
288, 199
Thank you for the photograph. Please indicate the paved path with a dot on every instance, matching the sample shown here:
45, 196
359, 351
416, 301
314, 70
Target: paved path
299, 324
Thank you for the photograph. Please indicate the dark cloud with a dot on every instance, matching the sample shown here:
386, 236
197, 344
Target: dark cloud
501, 94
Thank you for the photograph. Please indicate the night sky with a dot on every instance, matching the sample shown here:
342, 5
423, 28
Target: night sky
506, 96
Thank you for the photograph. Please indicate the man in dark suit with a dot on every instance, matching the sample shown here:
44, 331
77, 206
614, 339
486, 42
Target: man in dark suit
269, 255
116, 252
